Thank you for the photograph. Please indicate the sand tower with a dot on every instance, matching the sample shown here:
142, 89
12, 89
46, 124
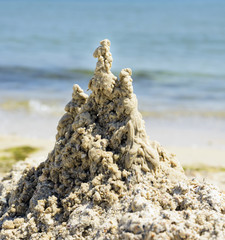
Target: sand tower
105, 179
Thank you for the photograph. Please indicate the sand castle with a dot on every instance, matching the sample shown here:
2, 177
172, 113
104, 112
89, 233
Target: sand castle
105, 179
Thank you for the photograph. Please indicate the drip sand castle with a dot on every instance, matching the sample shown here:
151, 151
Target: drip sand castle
105, 179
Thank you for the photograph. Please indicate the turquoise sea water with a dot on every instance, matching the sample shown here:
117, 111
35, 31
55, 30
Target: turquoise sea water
176, 50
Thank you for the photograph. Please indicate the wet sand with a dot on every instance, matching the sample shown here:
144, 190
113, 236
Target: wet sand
105, 178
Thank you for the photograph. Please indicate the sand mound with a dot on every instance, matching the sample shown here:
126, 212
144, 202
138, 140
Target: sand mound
105, 179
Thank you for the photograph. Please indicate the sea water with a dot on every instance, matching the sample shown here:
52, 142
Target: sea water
176, 50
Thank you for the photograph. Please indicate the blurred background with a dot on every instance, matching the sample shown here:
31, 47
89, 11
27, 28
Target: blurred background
176, 50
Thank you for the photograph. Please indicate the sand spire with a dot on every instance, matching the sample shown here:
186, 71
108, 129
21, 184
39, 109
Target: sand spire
105, 127
104, 178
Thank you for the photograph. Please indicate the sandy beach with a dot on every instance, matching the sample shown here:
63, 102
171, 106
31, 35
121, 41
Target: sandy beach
42, 146
197, 161
201, 152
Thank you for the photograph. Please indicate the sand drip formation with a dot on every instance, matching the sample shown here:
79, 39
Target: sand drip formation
105, 179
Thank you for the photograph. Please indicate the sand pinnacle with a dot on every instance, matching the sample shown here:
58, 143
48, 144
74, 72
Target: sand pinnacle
105, 179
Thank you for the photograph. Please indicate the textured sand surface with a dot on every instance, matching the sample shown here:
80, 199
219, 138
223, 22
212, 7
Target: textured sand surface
189, 157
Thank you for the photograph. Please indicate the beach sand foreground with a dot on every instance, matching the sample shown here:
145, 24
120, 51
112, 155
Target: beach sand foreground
105, 179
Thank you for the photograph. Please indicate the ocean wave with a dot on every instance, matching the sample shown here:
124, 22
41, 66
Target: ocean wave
33, 106
24, 73
159, 74
71, 73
